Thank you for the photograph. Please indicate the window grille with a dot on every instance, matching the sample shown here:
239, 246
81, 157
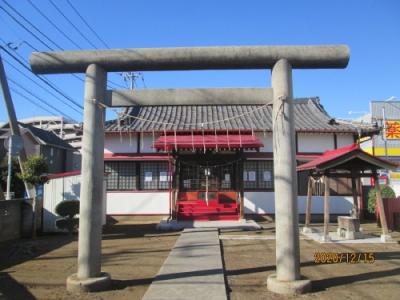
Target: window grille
258, 175
154, 175
193, 178
121, 175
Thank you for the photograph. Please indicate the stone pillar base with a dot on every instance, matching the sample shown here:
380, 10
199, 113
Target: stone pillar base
294, 287
386, 238
95, 284
325, 239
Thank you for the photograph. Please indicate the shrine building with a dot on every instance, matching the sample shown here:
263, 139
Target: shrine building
214, 162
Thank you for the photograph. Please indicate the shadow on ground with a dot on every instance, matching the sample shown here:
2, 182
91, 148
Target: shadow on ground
18, 251
11, 289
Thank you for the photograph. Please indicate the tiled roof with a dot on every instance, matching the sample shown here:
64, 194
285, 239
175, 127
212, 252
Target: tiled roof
309, 114
46, 137
340, 158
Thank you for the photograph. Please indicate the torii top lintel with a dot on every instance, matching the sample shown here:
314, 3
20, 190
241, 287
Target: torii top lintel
193, 58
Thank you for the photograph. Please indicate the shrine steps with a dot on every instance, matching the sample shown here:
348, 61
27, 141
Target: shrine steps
200, 211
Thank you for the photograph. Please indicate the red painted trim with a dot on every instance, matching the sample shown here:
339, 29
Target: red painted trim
135, 156
260, 190
137, 191
65, 174
124, 214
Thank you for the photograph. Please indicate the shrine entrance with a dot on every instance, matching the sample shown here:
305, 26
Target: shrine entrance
209, 187
280, 59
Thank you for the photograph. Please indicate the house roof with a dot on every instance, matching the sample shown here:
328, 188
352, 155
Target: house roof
43, 137
310, 116
341, 158
46, 137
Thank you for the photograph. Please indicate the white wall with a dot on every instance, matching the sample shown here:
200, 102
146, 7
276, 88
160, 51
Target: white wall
138, 203
146, 145
344, 140
315, 143
266, 139
55, 191
263, 203
120, 144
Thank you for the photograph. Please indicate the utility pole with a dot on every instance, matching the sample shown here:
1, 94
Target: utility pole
14, 127
131, 78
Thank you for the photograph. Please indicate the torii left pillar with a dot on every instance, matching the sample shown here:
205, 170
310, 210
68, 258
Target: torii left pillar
287, 279
89, 277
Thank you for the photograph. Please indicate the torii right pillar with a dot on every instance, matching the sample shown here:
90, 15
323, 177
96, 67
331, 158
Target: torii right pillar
287, 279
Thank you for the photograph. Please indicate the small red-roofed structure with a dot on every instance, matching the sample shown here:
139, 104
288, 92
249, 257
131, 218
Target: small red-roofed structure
346, 162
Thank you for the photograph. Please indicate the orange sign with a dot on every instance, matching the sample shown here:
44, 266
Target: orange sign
392, 131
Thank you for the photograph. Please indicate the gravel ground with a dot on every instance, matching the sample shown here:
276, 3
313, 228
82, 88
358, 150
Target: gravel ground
132, 254
249, 262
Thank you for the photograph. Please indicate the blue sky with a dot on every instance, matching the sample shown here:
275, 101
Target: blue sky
370, 28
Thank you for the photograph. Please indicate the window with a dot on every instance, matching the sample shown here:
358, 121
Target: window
121, 175
154, 175
258, 175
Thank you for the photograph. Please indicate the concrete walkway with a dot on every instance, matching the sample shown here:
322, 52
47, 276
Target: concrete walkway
193, 269
240, 224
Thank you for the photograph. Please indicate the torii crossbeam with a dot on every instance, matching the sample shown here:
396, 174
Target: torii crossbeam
281, 59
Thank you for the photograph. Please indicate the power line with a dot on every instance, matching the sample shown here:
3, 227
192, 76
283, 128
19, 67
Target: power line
72, 24
31, 24
80, 32
37, 97
44, 43
55, 25
31, 101
52, 86
87, 24
33, 81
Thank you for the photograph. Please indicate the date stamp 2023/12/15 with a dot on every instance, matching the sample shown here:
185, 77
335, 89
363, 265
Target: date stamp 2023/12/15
344, 257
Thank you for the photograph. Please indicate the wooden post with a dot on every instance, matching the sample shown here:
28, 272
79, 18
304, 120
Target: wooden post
177, 171
326, 208
241, 187
2, 194
309, 198
355, 196
382, 216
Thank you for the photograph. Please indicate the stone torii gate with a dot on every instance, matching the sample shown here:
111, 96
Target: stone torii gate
280, 59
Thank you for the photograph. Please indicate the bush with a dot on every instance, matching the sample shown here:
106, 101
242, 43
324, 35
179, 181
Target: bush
34, 168
67, 210
387, 192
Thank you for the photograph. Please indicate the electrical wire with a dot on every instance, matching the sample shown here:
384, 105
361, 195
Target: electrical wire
51, 85
87, 24
31, 24
30, 79
37, 97
54, 25
72, 24
99, 38
32, 101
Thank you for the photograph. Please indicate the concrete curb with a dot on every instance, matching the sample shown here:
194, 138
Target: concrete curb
294, 287
94, 284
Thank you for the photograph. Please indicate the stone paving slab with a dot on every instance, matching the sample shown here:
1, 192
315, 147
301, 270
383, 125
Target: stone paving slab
193, 269
317, 234
240, 224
